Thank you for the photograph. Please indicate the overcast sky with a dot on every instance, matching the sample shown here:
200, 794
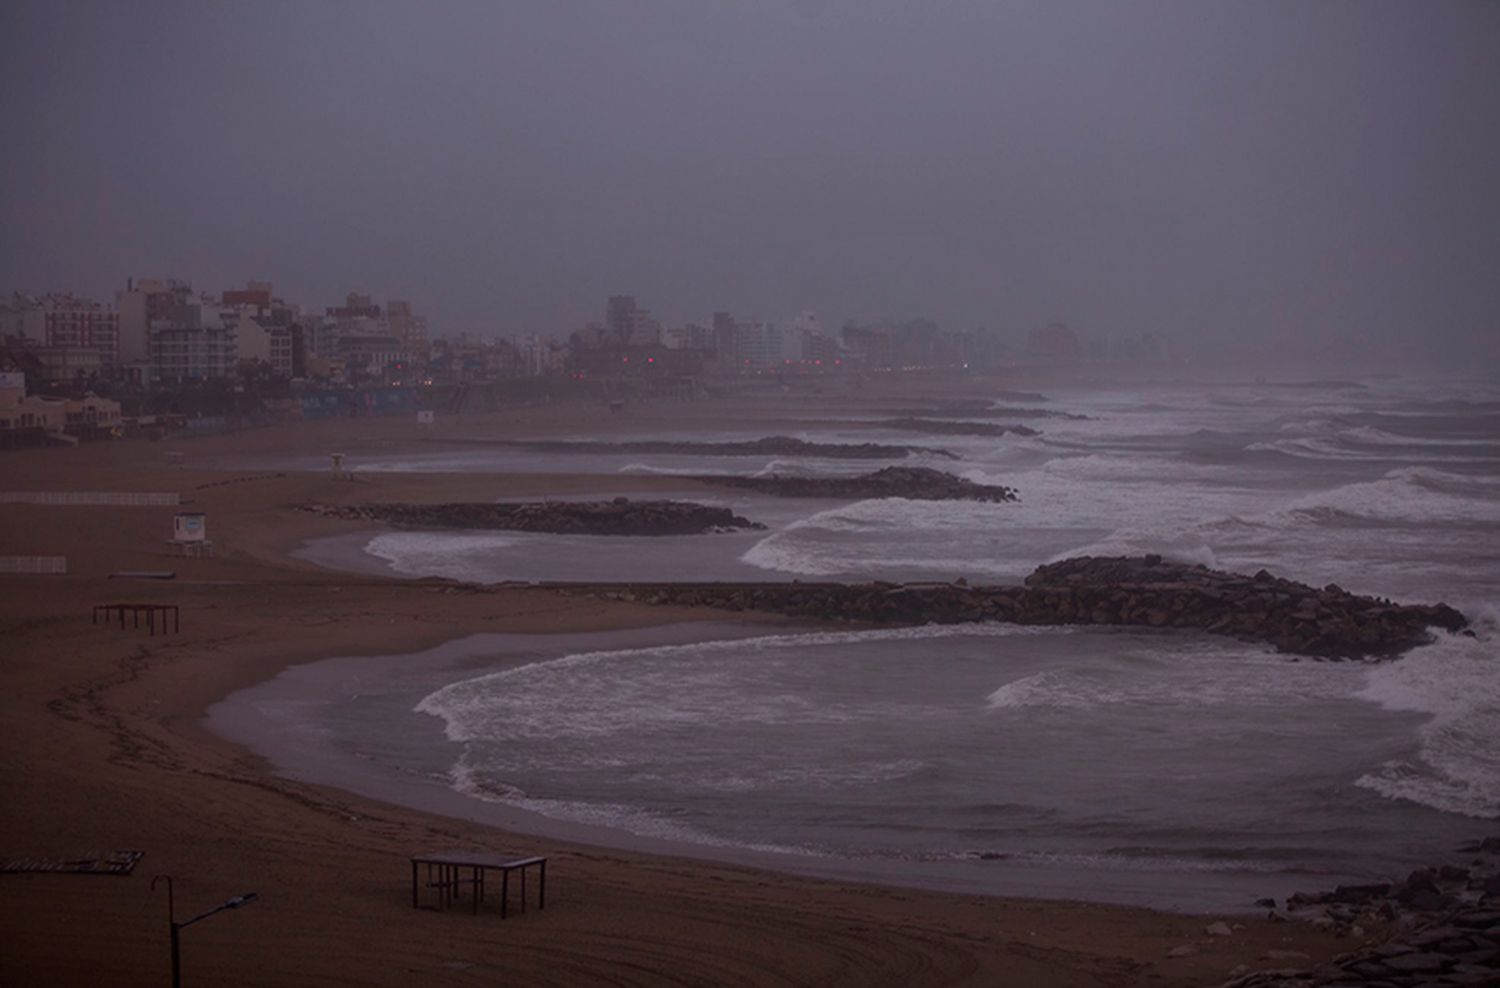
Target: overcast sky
1212, 170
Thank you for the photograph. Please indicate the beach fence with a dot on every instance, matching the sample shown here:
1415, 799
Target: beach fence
34, 564
132, 499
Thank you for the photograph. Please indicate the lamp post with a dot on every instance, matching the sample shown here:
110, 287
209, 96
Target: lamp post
177, 928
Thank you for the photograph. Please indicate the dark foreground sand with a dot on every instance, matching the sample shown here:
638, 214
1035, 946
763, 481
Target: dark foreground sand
105, 748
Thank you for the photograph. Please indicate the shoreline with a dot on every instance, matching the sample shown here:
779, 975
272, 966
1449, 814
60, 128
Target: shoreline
108, 745
277, 720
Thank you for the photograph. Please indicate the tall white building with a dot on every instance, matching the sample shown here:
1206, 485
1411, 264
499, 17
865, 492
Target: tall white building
143, 300
195, 340
758, 344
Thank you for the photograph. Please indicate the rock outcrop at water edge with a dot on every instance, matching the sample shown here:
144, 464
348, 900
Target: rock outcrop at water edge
620, 516
1143, 592
912, 483
1440, 926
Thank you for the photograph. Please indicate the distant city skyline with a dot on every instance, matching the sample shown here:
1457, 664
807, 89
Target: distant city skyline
1238, 175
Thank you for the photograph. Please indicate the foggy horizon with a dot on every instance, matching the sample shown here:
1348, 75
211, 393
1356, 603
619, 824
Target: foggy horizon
1224, 176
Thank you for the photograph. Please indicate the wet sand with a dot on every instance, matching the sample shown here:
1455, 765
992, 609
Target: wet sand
106, 747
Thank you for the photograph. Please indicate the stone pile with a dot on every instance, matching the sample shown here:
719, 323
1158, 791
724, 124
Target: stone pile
766, 446
913, 483
1330, 623
1138, 591
949, 427
620, 516
1446, 922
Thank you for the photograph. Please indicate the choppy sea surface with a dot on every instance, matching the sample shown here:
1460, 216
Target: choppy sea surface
1104, 750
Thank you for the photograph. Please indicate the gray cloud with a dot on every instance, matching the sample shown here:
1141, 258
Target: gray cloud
1219, 172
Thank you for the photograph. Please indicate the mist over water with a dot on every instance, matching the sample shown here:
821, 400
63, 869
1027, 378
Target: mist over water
1118, 750
1384, 486
1114, 751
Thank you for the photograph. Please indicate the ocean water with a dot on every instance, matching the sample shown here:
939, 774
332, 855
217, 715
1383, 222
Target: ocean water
964, 750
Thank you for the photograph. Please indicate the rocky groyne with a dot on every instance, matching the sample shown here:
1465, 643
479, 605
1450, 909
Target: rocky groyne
620, 516
1439, 926
1109, 591
949, 427
912, 483
767, 446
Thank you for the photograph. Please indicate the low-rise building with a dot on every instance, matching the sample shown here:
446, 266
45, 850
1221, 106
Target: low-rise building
27, 419
194, 348
91, 417
381, 358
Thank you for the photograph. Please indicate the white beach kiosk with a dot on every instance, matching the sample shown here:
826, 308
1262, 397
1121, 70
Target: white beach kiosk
190, 534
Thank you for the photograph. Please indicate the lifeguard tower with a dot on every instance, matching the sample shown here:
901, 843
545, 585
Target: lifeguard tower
190, 534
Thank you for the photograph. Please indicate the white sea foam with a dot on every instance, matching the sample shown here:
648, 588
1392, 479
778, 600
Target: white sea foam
1323, 439
1159, 495
788, 553
567, 696
885, 531
781, 553
898, 513
673, 471
1456, 682
1118, 468
1313, 448
787, 468
457, 556
1419, 495
1371, 436
617, 816
1312, 427
1212, 674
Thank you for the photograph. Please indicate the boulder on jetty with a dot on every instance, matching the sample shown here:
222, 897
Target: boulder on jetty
1442, 923
766, 446
912, 483
1136, 592
620, 516
1295, 617
948, 427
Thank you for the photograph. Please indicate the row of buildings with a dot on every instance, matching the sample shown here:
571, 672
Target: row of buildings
629, 341
26, 418
161, 333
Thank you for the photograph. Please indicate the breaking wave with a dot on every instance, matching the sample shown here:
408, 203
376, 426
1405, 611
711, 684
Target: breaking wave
1455, 682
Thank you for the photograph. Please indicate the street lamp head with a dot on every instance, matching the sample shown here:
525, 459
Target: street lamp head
241, 900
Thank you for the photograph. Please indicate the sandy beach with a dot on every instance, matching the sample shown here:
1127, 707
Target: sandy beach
106, 748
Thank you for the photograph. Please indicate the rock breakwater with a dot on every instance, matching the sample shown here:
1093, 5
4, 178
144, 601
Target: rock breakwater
912, 483
620, 516
1111, 591
1442, 928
